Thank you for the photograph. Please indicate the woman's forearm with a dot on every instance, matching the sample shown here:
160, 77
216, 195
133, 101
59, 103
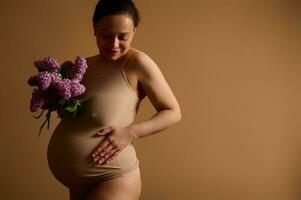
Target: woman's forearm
158, 122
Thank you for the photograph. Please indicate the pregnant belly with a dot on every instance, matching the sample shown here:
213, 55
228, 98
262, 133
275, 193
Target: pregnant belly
69, 156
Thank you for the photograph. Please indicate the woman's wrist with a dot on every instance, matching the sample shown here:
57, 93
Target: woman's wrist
133, 132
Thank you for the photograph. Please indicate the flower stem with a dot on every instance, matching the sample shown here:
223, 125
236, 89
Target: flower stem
48, 115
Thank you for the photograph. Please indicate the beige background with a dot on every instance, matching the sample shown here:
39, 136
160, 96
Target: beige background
233, 65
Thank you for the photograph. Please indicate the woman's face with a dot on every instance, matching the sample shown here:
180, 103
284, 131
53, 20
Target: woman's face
114, 34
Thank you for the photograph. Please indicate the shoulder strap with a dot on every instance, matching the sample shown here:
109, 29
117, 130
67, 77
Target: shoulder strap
124, 75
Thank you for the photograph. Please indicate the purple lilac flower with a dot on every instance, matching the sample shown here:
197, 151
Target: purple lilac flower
76, 88
48, 64
46, 104
37, 101
52, 84
43, 80
62, 86
55, 76
79, 68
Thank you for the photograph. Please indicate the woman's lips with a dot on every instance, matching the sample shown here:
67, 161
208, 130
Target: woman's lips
112, 51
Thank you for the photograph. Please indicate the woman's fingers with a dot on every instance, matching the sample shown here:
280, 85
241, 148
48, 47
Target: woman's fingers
103, 145
110, 156
105, 130
99, 157
109, 148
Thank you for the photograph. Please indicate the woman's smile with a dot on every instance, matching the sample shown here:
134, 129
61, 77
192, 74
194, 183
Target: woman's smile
112, 51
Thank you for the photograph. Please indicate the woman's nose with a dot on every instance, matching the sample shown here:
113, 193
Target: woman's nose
115, 43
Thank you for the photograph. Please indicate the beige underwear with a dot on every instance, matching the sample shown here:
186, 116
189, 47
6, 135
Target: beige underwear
112, 102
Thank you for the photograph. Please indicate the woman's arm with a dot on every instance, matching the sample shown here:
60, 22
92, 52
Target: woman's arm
156, 88
161, 96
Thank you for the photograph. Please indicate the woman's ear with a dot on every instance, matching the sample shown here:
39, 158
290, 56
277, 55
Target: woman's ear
134, 30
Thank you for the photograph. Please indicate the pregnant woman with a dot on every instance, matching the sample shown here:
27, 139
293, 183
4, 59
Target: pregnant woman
93, 155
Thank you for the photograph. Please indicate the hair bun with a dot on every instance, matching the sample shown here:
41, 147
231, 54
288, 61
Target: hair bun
112, 7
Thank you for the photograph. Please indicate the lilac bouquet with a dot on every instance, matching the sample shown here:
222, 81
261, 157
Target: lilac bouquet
56, 87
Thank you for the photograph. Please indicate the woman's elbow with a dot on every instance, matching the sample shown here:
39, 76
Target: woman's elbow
178, 115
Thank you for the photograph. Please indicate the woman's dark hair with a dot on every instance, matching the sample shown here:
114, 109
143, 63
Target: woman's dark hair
113, 7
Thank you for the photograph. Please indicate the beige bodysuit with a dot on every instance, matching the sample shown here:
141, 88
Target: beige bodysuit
111, 102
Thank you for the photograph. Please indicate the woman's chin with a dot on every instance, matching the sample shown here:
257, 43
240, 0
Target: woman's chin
112, 56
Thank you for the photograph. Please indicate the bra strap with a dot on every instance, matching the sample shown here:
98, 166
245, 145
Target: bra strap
125, 78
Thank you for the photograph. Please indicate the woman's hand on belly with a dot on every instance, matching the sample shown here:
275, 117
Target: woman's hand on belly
117, 138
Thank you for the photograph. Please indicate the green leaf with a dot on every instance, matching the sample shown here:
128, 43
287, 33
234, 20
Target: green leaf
77, 102
71, 108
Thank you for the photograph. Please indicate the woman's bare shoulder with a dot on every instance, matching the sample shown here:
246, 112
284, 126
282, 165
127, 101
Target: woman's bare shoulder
138, 54
142, 60
143, 64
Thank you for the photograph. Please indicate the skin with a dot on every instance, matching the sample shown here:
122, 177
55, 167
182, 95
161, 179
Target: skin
142, 71
116, 32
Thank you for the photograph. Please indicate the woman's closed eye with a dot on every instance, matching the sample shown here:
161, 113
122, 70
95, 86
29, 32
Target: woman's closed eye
123, 37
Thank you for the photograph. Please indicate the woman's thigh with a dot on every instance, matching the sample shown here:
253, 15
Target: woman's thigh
121, 188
